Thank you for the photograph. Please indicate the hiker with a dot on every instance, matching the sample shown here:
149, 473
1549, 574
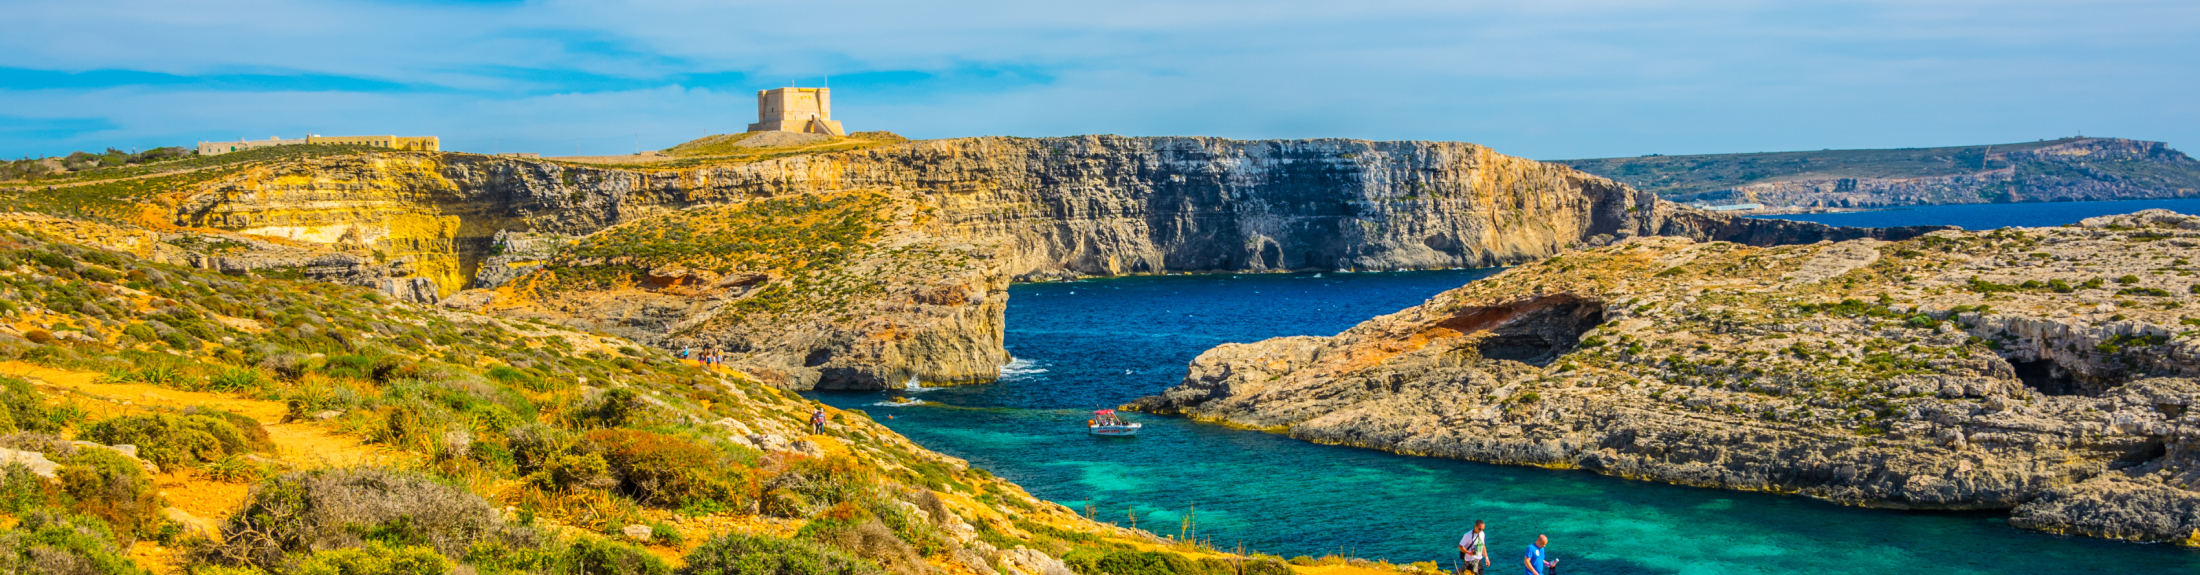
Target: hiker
1473, 552
687, 353
1534, 560
817, 421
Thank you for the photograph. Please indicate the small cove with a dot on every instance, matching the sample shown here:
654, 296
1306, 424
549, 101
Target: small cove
1098, 343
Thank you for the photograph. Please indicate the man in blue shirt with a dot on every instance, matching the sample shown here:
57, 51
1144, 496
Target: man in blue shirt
1534, 560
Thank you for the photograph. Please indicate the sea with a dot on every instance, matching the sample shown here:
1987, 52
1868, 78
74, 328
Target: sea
1086, 345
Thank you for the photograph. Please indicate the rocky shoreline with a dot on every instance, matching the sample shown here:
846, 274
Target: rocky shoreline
2042, 371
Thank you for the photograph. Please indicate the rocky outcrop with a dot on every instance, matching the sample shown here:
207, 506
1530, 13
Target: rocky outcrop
1049, 208
2033, 370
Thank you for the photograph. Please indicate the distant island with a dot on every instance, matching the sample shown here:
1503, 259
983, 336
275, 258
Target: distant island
2063, 170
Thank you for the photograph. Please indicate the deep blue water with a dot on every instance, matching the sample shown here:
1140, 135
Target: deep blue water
1992, 216
1099, 343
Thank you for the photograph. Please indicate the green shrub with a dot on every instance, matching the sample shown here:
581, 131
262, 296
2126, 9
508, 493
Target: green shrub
110, 486
515, 377
618, 408
50, 544
24, 410
817, 483
298, 512
177, 440
738, 554
598, 556
351, 366
1265, 567
375, 559
22, 491
852, 528
1086, 561
141, 332
668, 471
255, 437
237, 380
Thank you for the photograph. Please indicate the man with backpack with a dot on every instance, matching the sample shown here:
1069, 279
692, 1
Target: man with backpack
817, 421
1473, 552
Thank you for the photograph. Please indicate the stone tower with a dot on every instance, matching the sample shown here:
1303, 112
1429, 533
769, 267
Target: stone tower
796, 110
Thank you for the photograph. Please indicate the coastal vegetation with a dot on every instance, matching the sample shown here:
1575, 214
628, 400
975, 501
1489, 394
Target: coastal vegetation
306, 428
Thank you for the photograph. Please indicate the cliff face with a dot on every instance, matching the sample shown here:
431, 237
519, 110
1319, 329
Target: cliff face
2041, 370
1046, 208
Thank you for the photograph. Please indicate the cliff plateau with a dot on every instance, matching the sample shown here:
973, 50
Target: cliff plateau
2045, 371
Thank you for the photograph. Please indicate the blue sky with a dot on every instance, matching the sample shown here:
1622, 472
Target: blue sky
1551, 79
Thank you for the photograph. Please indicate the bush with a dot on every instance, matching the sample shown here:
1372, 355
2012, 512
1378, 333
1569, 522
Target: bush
668, 471
255, 437
241, 379
851, 528
22, 491
375, 559
50, 544
141, 332
511, 376
24, 410
178, 440
618, 408
810, 484
112, 487
1266, 567
326, 509
737, 554
598, 556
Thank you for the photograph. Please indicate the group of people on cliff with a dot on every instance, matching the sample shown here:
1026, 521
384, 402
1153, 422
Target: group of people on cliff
708, 358
1474, 554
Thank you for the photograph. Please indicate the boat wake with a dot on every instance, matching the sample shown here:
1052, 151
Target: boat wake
898, 402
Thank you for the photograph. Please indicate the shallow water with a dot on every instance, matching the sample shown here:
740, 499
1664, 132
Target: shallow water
1992, 216
1099, 343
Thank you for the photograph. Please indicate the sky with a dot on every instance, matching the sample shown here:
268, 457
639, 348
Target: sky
1549, 79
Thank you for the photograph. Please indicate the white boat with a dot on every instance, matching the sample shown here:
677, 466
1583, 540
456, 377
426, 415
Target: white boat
1105, 423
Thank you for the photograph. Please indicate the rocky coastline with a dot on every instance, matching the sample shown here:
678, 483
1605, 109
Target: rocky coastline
1037, 209
2042, 371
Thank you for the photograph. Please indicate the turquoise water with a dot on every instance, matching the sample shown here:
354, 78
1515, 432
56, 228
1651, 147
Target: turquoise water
1992, 216
1099, 343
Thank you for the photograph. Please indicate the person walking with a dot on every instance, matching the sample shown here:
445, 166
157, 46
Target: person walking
817, 421
1473, 551
1537, 565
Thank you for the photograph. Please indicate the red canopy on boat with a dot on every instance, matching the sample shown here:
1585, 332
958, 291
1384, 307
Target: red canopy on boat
1104, 412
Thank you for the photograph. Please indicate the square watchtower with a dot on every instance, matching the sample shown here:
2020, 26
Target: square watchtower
796, 110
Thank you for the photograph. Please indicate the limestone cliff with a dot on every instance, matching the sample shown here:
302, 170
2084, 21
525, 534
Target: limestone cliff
2045, 371
1046, 208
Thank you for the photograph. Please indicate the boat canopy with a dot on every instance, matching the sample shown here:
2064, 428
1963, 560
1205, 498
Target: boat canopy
1104, 412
